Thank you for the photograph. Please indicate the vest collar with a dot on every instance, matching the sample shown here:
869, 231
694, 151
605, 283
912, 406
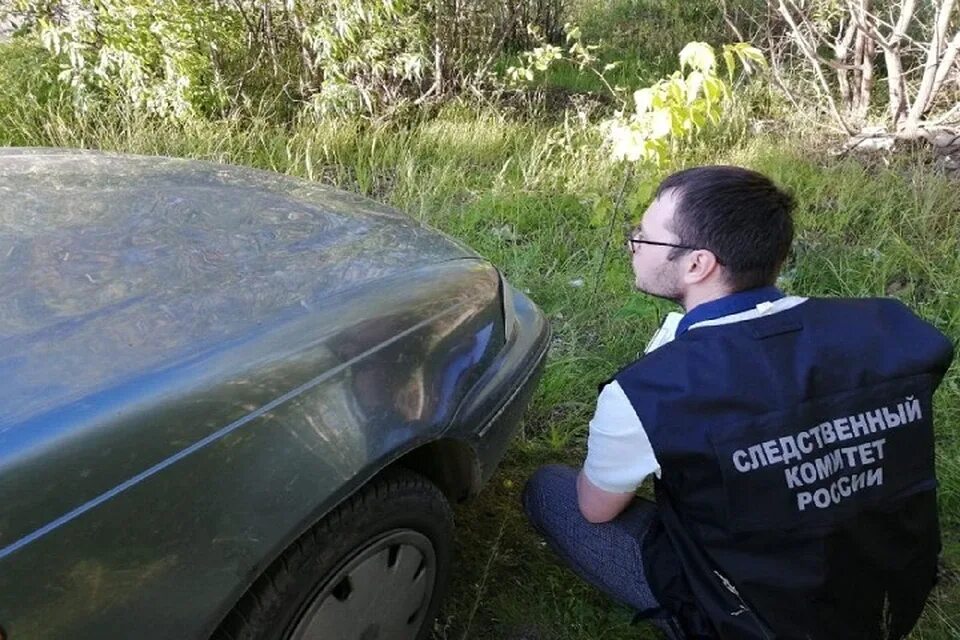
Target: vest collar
728, 305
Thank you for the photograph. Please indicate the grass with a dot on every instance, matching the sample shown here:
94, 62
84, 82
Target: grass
862, 232
642, 36
527, 193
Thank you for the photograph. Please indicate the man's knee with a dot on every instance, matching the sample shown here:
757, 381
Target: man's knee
550, 491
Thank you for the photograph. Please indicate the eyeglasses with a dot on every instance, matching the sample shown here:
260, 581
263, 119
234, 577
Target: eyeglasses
632, 241
635, 241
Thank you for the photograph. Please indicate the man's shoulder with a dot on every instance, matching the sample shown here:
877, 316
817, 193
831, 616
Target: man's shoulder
821, 319
813, 312
891, 305
868, 317
862, 314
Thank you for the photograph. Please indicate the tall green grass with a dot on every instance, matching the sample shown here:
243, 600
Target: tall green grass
526, 193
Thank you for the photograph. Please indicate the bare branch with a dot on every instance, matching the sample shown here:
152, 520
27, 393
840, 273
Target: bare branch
811, 56
866, 50
946, 63
777, 74
866, 78
837, 64
896, 85
848, 34
865, 22
858, 50
730, 24
840, 51
947, 118
811, 29
925, 93
906, 15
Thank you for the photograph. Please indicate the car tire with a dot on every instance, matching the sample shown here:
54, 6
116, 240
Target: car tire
376, 568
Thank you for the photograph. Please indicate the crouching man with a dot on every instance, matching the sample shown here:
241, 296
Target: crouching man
790, 440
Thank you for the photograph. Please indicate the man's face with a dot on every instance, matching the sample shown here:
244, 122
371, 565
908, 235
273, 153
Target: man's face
654, 273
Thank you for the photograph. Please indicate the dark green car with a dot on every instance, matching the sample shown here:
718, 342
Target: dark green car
236, 404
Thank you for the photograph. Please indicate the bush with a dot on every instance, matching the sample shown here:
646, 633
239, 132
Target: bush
177, 58
29, 93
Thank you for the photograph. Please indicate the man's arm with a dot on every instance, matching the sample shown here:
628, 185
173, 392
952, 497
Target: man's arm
619, 457
598, 505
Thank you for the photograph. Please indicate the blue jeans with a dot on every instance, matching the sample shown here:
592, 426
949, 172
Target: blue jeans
606, 555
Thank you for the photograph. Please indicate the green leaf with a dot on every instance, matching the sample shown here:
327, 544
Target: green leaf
640, 197
699, 56
749, 52
656, 151
678, 123
643, 99
602, 210
624, 140
730, 62
698, 117
694, 84
677, 90
661, 124
714, 89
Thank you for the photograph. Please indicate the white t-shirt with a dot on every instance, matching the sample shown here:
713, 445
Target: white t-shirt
619, 453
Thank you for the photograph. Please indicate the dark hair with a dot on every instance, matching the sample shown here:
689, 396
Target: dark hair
739, 215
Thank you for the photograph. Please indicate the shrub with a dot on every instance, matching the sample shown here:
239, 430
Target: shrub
177, 58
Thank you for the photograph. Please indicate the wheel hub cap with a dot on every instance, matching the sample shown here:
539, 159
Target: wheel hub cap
381, 593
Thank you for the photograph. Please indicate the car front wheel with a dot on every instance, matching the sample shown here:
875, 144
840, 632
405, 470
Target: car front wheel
374, 569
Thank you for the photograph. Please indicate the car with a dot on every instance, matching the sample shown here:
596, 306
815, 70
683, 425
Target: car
237, 404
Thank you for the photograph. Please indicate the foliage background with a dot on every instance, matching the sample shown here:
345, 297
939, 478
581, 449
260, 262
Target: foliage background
521, 174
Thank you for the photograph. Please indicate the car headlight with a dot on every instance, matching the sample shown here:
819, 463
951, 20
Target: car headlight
509, 313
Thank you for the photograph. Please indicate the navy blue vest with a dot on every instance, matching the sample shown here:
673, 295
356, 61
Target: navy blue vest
798, 491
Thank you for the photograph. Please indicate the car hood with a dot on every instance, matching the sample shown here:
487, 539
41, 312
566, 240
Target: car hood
113, 264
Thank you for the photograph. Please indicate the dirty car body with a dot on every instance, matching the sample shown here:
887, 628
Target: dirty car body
199, 362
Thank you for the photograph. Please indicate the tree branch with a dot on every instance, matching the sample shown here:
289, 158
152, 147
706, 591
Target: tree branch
730, 24
815, 65
840, 51
896, 85
925, 93
946, 63
866, 77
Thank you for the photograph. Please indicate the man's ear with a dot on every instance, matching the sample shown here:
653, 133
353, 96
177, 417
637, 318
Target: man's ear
700, 265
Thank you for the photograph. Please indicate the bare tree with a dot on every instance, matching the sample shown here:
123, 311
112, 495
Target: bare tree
839, 45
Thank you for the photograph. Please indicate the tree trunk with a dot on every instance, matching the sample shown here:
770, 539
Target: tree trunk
858, 46
896, 85
866, 78
925, 93
841, 52
946, 63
